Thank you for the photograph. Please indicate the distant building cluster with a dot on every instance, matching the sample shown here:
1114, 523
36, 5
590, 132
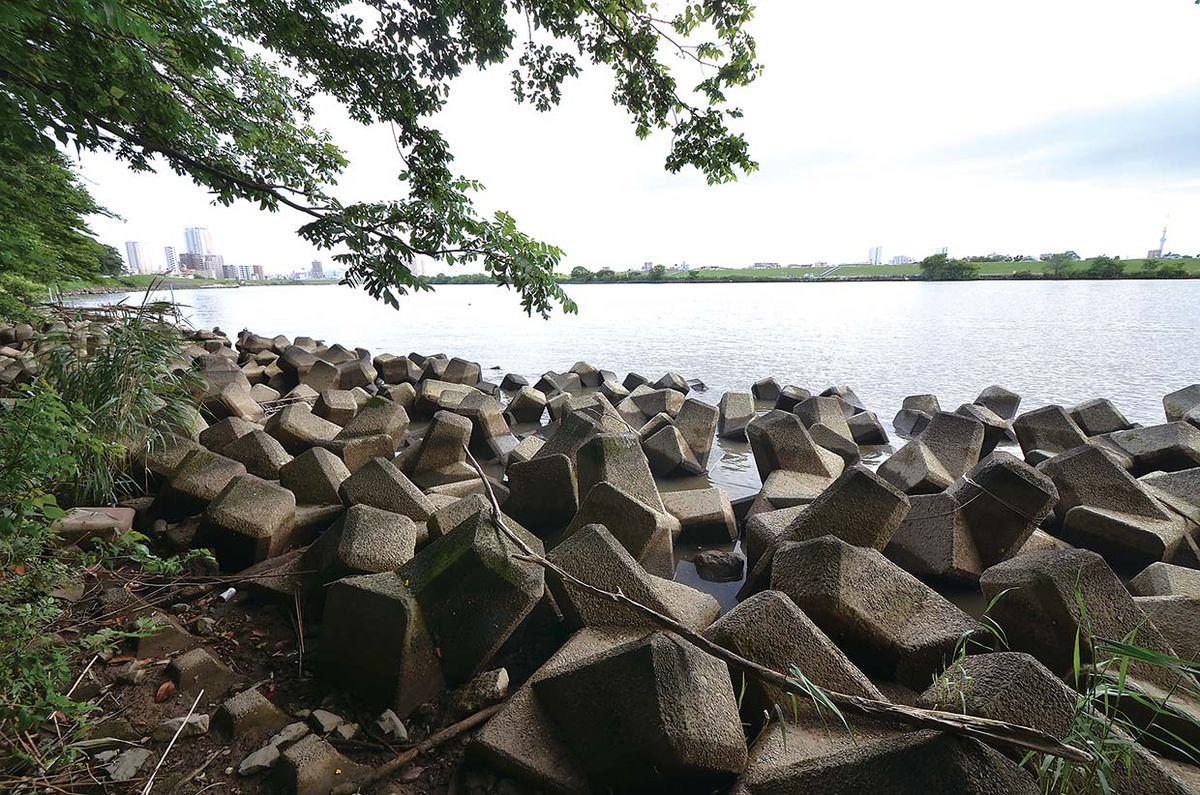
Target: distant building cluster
198, 260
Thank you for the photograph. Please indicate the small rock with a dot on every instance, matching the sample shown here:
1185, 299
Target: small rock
717, 565
262, 759
289, 734
132, 674
127, 764
204, 626
486, 688
179, 608
346, 730
324, 721
193, 726
390, 724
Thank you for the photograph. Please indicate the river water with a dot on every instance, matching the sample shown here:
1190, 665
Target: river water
1052, 342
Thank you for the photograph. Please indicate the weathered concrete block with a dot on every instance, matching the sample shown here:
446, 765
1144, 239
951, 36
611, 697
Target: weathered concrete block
1002, 401
780, 441
444, 444
647, 533
1181, 402
1003, 500
199, 477
866, 429
378, 416
995, 427
653, 401
934, 541
297, 428
364, 540
767, 389
248, 717
311, 766
1165, 579
314, 477
528, 405
704, 515
649, 712
336, 405
381, 485
618, 459
1099, 416
945, 450
791, 396
543, 491
888, 622
770, 630
259, 452
735, 411
698, 423
673, 381
473, 593
249, 521
1170, 447
221, 433
1049, 428
668, 454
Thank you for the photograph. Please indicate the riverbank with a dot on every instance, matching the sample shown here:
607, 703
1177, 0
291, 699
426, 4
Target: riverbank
374, 596
121, 284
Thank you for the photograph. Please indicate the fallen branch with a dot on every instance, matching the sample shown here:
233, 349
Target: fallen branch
397, 763
998, 732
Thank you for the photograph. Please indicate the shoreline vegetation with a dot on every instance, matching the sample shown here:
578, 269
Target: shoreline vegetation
1187, 268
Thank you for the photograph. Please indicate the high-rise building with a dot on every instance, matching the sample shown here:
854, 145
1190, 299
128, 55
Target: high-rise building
943, 250
877, 255
210, 266
172, 259
199, 241
259, 273
138, 263
318, 270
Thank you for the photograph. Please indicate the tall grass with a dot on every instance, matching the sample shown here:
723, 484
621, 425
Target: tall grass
123, 381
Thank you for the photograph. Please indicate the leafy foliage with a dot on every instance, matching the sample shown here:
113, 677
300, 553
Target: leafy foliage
1105, 268
939, 267
223, 93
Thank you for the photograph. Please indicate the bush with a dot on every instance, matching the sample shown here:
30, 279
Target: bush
1104, 268
939, 267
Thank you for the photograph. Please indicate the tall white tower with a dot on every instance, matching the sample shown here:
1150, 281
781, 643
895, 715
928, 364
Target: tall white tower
199, 241
136, 257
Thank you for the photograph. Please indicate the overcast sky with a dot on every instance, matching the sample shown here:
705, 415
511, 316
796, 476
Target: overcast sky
1024, 127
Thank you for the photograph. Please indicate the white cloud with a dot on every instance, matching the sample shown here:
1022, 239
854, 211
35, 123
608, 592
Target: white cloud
860, 123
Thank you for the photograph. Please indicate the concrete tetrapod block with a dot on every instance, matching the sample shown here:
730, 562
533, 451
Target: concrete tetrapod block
311, 766
260, 452
1181, 402
767, 389
1165, 579
654, 401
825, 411
1169, 447
791, 396
364, 540
673, 381
766, 529
698, 423
1016, 688
915, 413
935, 542
396, 369
885, 620
945, 450
704, 515
1002, 401
381, 485
197, 480
314, 477
521, 740
770, 630
618, 459
1040, 610
221, 433
543, 492
1105, 509
668, 454
593, 555
473, 593
1003, 500
249, 521
859, 508
995, 427
779, 440
375, 644
1048, 429
297, 428
819, 759
652, 713
490, 436
528, 405
1099, 416
378, 417
1180, 491
336, 405
444, 444
866, 429
734, 413
1178, 619
645, 532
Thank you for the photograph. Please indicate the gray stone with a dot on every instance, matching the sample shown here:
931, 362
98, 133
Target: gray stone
221, 433
668, 454
260, 761
1099, 416
1177, 617
866, 429
1003, 501
910, 422
336, 405
490, 436
995, 427
945, 450
1181, 402
528, 405
735, 411
885, 620
1049, 428
197, 670
249, 521
314, 767
193, 725
248, 716
392, 727
673, 381
649, 712
314, 477
767, 389
1170, 447
698, 423
791, 396
127, 764
653, 401
935, 542
396, 369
